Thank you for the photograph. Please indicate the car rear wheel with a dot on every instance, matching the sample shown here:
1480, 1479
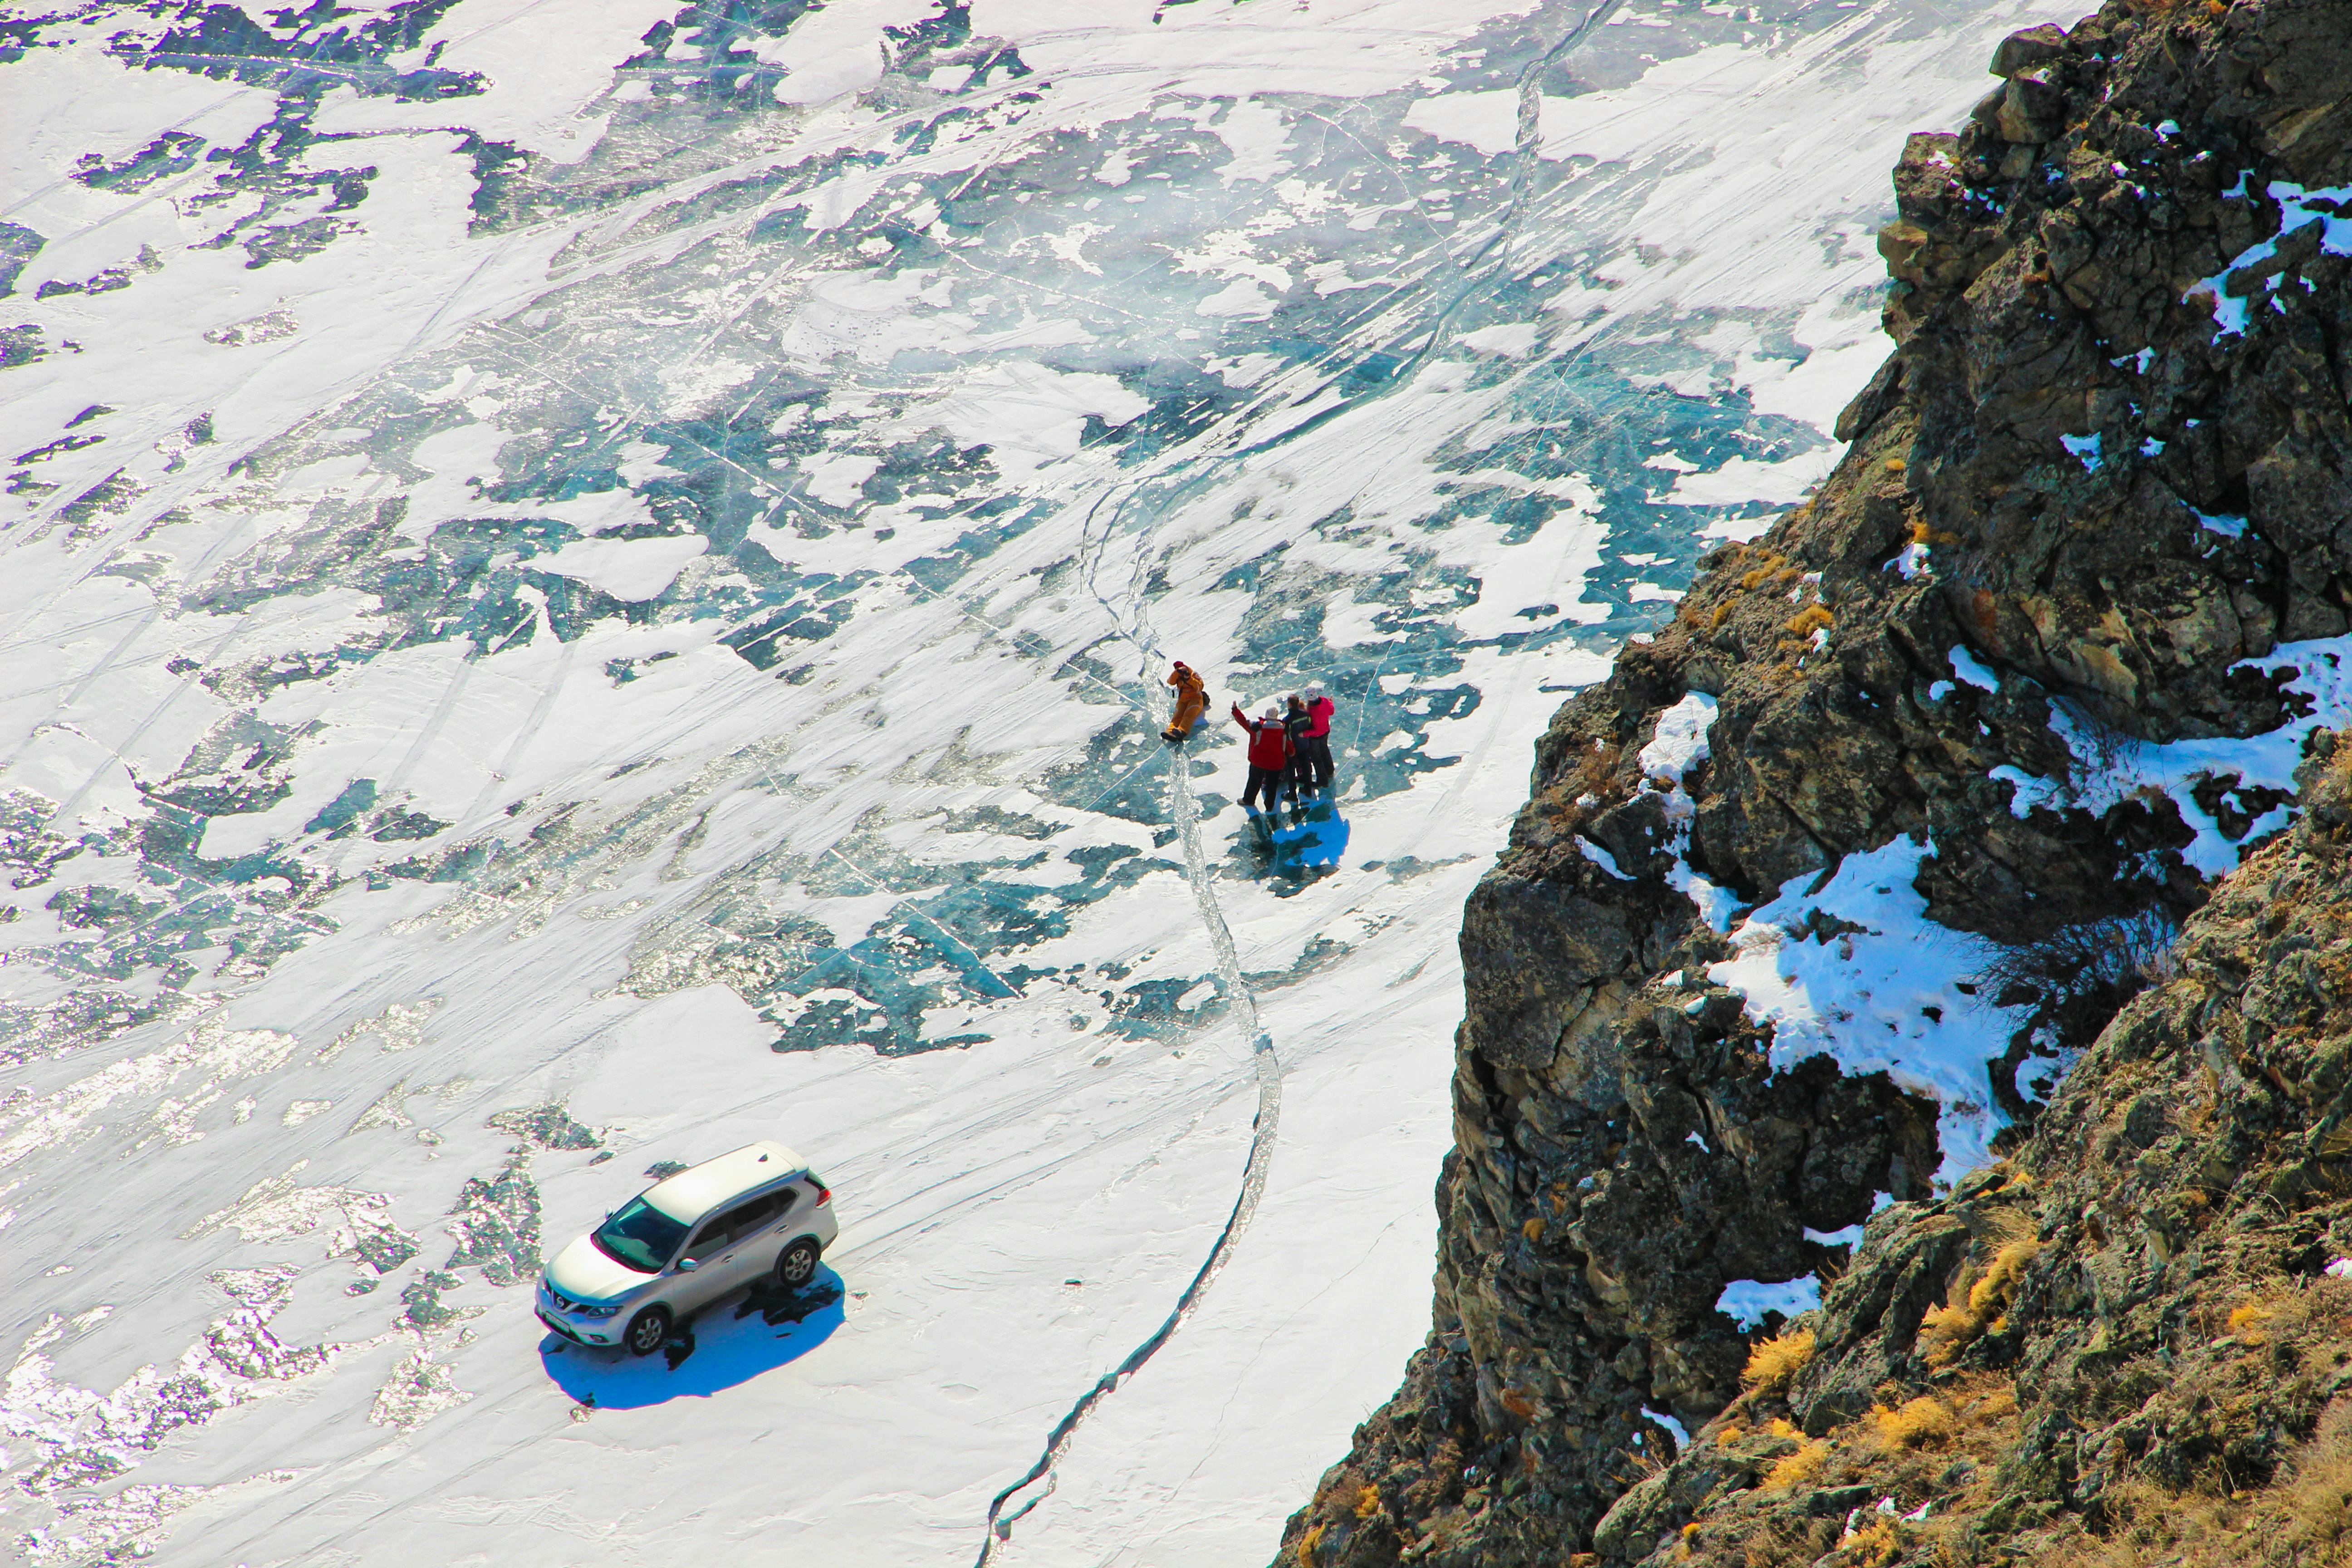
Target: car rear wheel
797, 1267
648, 1330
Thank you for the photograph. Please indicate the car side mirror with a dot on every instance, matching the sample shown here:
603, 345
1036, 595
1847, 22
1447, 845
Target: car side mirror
688, 1265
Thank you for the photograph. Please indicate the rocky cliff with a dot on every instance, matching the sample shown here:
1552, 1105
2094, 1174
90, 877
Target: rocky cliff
1833, 957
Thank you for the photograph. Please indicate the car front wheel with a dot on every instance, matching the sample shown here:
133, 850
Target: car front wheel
797, 1267
648, 1330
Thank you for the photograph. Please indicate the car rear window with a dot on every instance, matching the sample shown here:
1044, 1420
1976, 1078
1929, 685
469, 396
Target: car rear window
640, 1236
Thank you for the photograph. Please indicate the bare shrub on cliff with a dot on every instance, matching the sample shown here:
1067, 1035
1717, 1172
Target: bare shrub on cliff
1588, 777
2079, 976
2100, 747
1595, 772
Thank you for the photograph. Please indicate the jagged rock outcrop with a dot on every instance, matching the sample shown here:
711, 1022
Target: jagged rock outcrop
2130, 1343
2108, 464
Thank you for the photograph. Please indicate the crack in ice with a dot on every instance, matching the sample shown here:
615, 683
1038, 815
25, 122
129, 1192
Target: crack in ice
1186, 811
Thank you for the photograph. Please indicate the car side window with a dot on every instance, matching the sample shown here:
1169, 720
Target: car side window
757, 1214
723, 1230
711, 1239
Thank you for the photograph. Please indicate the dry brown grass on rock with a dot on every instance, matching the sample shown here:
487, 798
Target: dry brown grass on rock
1923, 534
2250, 1322
1920, 1423
1771, 571
1975, 1305
2153, 1528
2317, 1494
1771, 1364
2302, 1519
1778, 1540
2290, 1312
1809, 620
1875, 1545
1793, 1471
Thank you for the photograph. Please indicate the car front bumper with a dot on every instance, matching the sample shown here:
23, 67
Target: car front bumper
604, 1336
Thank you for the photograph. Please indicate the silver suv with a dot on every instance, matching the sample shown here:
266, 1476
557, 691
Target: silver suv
684, 1243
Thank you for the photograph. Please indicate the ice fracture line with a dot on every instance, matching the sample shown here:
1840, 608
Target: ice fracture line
1186, 810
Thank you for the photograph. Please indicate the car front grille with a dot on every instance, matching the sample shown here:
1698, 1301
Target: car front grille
562, 1302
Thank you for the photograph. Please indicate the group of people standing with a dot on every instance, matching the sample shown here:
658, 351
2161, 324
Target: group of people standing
1290, 748
1289, 743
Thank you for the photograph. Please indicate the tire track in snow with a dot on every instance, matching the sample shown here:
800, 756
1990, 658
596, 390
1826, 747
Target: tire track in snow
1186, 810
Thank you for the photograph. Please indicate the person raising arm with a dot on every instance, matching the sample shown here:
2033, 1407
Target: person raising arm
1269, 756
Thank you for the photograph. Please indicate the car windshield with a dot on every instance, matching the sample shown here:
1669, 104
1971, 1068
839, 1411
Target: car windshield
640, 1236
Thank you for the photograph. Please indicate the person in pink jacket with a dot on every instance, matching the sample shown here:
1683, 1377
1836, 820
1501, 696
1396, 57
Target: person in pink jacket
1315, 745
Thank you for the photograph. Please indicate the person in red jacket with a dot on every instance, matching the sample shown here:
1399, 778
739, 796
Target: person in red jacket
1269, 755
1315, 751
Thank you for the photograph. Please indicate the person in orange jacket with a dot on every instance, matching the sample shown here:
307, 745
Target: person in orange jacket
1269, 755
1192, 701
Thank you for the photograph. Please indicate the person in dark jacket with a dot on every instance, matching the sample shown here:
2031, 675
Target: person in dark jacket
1318, 753
1297, 720
1269, 755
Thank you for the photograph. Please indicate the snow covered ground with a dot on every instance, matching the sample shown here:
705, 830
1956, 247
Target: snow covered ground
586, 582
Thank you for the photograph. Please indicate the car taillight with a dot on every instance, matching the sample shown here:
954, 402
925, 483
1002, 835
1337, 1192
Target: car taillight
823, 1194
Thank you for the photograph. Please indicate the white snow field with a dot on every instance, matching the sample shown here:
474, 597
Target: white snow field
587, 581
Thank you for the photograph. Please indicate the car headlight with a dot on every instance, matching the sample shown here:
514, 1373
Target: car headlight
589, 1312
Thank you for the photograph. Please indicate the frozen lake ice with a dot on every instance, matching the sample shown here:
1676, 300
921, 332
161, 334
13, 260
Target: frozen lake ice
587, 582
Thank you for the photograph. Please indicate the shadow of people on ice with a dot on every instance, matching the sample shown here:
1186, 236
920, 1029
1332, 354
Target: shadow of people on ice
728, 1343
